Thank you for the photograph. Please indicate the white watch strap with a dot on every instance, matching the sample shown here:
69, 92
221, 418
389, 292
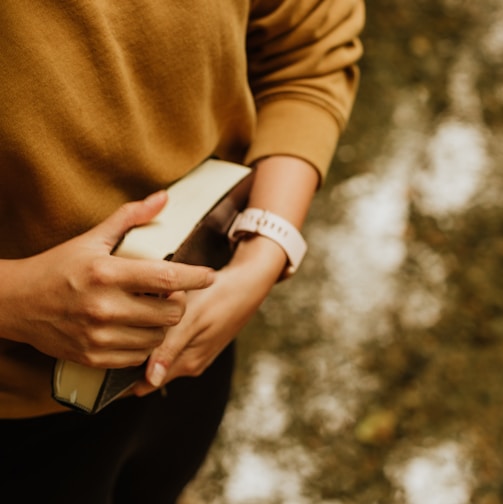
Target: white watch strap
270, 225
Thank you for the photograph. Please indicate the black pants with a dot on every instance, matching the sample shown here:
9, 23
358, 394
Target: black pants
137, 450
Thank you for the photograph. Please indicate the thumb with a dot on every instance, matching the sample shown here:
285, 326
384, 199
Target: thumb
158, 367
160, 363
129, 215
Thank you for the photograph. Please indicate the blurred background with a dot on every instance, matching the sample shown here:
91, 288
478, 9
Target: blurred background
376, 374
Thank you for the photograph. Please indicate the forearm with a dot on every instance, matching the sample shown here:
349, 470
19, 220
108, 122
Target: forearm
283, 185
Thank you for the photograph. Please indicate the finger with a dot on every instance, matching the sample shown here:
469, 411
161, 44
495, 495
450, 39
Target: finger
109, 340
164, 356
158, 311
182, 353
141, 310
189, 363
157, 277
129, 215
143, 388
119, 359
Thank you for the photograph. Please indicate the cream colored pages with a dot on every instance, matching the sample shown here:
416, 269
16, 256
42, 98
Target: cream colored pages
202, 188
77, 383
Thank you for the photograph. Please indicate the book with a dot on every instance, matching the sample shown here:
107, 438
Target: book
192, 228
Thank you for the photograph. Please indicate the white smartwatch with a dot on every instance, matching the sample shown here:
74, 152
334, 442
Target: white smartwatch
272, 226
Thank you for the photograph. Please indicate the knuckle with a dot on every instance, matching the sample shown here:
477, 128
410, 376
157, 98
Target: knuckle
127, 213
158, 336
100, 271
168, 355
169, 277
193, 368
174, 317
98, 339
138, 358
91, 359
98, 311
175, 308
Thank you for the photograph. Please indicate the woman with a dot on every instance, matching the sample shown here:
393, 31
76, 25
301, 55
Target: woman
105, 103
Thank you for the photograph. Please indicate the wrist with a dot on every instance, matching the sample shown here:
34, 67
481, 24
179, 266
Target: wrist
257, 254
259, 222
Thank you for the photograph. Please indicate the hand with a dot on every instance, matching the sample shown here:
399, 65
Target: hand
78, 302
282, 184
214, 316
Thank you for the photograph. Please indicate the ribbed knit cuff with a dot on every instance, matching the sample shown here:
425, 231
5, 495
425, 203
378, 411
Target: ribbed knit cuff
296, 128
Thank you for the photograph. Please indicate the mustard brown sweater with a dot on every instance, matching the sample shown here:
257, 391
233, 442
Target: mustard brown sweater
107, 101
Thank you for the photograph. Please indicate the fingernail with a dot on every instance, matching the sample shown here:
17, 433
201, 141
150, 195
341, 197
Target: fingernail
157, 375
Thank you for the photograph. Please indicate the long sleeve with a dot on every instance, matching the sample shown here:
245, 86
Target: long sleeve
302, 71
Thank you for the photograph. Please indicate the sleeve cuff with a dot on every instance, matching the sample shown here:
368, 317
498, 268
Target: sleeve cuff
295, 127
